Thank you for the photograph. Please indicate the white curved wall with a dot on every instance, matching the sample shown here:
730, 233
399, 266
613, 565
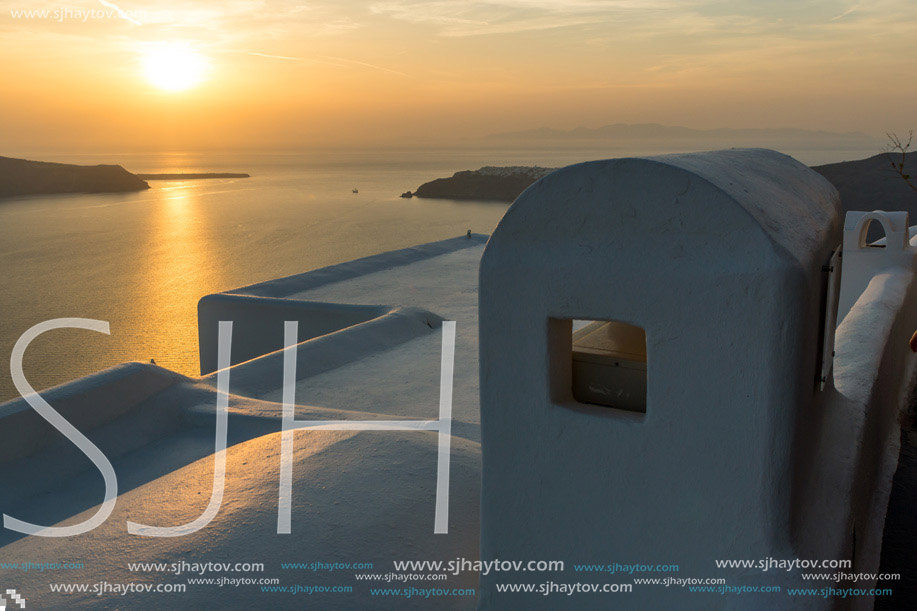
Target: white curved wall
718, 256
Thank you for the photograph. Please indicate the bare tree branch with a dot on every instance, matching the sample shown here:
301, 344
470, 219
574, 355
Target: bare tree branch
896, 146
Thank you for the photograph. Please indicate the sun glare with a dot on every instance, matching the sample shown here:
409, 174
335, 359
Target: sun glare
174, 67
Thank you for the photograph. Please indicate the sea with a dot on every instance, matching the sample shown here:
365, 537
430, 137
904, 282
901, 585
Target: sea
141, 261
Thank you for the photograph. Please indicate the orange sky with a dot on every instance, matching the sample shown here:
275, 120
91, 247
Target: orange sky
299, 74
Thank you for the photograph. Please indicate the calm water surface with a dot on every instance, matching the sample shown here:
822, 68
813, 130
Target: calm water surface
142, 260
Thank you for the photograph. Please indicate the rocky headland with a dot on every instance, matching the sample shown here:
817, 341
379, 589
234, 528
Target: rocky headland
487, 183
25, 177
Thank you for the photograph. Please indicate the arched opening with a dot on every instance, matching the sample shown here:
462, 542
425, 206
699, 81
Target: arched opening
873, 229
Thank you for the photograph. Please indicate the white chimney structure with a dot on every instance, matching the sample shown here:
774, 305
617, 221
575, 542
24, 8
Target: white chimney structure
652, 347
863, 259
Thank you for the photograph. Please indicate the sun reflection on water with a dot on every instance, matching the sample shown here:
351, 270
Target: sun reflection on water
178, 269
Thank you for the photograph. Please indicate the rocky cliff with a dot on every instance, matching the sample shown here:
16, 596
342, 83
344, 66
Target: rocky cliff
497, 183
24, 177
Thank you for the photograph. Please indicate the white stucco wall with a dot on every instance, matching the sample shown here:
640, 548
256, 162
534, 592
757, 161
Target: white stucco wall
718, 256
855, 445
86, 403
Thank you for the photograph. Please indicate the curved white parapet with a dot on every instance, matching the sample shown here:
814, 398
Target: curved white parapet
259, 323
852, 459
87, 403
392, 327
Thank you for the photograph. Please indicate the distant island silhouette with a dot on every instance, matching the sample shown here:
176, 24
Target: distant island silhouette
25, 177
654, 132
487, 183
866, 184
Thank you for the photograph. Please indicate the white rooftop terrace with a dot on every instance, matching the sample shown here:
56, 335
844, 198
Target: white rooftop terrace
358, 496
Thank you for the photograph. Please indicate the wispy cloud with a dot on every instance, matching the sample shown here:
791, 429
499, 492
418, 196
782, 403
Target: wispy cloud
850, 10
121, 14
479, 17
331, 61
623, 18
365, 65
285, 57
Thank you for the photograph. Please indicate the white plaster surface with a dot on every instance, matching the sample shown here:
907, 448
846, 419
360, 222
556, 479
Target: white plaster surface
363, 496
446, 285
716, 255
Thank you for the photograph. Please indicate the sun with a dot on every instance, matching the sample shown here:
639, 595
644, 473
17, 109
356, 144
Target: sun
173, 66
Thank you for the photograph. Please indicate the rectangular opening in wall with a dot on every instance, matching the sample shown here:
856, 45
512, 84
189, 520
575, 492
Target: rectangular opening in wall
609, 364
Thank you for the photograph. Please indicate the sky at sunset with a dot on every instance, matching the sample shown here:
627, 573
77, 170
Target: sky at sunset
90, 75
